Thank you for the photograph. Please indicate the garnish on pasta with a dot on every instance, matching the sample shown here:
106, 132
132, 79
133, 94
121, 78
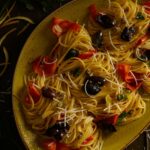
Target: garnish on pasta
92, 79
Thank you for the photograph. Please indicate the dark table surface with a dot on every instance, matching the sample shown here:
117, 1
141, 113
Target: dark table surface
9, 136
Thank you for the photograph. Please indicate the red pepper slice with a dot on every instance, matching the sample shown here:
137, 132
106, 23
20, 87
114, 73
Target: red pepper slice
62, 146
133, 86
44, 64
146, 3
60, 26
108, 120
93, 11
112, 120
89, 139
34, 92
141, 40
27, 100
147, 7
87, 54
147, 11
98, 118
124, 72
48, 144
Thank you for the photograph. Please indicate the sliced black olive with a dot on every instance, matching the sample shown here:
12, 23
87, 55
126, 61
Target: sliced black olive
109, 127
143, 58
147, 54
148, 30
106, 21
72, 53
127, 33
143, 55
58, 130
48, 93
97, 39
93, 84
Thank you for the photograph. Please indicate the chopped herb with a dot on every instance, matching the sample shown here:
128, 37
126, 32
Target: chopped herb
139, 1
121, 117
121, 97
140, 16
76, 72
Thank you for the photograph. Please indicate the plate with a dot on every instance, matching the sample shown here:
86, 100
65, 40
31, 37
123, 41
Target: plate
40, 42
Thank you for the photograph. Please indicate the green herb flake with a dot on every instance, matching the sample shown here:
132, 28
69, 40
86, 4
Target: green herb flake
139, 1
76, 72
121, 97
140, 16
121, 117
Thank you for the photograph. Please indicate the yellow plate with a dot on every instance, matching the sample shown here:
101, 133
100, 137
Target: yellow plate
40, 42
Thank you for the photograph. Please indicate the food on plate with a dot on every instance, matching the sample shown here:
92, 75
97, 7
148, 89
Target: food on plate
93, 80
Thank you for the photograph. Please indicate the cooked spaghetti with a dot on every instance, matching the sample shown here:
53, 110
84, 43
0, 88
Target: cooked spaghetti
92, 79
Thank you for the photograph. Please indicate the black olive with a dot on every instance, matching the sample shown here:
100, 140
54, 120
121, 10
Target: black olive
93, 84
127, 33
58, 130
48, 93
72, 53
148, 30
147, 54
143, 54
106, 21
97, 39
143, 58
108, 127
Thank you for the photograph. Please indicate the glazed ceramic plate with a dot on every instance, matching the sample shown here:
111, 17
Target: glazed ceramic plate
40, 42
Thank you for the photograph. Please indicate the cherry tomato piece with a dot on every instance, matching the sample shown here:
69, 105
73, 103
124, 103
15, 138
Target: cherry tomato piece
112, 120
60, 26
44, 65
27, 100
89, 139
34, 92
87, 54
124, 70
48, 144
93, 11
141, 40
62, 146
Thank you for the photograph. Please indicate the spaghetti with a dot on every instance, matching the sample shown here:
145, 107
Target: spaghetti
83, 88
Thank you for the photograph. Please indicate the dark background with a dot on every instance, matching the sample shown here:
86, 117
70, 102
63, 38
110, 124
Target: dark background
36, 10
